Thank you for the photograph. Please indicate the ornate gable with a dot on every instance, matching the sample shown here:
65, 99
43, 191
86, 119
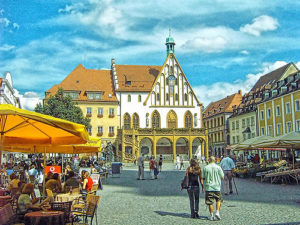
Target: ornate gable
171, 87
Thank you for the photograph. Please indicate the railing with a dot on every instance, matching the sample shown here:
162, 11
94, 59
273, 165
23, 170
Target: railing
164, 131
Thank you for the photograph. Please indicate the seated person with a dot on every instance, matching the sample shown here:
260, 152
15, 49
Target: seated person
14, 181
71, 182
48, 176
54, 184
25, 203
87, 182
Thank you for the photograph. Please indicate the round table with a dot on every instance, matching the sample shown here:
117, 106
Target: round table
4, 200
45, 218
67, 197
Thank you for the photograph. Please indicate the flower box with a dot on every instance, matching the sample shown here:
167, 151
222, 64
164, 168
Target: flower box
100, 115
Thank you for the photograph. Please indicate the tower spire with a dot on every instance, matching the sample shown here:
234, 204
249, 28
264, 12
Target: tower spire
170, 43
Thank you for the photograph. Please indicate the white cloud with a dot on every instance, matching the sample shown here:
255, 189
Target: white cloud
4, 21
244, 52
16, 26
1, 12
219, 90
260, 24
6, 47
29, 99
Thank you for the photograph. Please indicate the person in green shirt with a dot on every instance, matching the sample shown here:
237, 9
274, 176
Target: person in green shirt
212, 174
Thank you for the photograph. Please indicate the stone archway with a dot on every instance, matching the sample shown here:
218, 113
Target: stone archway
146, 147
164, 147
182, 148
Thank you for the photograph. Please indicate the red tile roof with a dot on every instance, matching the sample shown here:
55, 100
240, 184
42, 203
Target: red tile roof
136, 77
83, 80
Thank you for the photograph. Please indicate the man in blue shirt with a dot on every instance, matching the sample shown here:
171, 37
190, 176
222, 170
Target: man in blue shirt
227, 165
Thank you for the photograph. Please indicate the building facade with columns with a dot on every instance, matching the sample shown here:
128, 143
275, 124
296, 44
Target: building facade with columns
159, 111
7, 92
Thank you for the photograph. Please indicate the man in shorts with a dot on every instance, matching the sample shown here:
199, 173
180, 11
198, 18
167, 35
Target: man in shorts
212, 174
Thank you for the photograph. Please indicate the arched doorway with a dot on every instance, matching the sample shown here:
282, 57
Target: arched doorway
182, 148
146, 147
164, 147
171, 119
197, 147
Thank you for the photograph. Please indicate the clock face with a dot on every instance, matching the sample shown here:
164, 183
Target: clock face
172, 80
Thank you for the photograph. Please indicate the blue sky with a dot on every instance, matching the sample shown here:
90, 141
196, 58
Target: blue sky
222, 46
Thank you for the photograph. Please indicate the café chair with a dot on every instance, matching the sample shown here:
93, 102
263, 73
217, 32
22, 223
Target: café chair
65, 207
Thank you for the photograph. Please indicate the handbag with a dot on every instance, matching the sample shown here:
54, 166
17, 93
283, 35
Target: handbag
185, 182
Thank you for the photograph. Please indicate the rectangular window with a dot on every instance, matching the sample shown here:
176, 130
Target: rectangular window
111, 111
277, 110
243, 123
297, 105
89, 130
100, 111
269, 130
278, 129
140, 98
233, 140
238, 139
237, 125
262, 131
288, 127
74, 95
287, 108
88, 110
100, 129
97, 96
248, 122
249, 135
233, 125
253, 135
244, 136
261, 115
252, 121
298, 125
90, 95
111, 130
269, 113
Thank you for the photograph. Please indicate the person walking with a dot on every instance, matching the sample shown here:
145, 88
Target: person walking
193, 172
160, 162
178, 161
227, 166
152, 166
181, 163
212, 174
141, 167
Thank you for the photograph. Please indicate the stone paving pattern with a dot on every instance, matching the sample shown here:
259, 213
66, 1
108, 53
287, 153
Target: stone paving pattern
127, 201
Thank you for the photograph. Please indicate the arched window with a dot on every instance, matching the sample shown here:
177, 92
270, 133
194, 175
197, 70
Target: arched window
157, 97
126, 121
188, 120
140, 98
129, 98
167, 97
195, 120
135, 121
155, 120
171, 119
176, 97
185, 97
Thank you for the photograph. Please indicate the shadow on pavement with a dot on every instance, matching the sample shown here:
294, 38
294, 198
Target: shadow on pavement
183, 215
286, 223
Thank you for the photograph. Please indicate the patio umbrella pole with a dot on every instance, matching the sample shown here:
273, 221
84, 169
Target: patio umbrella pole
44, 180
62, 166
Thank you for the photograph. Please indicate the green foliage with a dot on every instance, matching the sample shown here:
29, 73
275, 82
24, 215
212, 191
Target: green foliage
63, 107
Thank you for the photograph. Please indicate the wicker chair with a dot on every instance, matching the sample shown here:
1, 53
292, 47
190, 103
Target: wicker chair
89, 211
64, 207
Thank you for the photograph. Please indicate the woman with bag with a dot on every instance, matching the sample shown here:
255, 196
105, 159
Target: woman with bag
193, 173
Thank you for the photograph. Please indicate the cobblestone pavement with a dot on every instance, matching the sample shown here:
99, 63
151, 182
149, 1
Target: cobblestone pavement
127, 201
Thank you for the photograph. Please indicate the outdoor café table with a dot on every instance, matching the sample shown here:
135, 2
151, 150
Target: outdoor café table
67, 197
45, 218
4, 200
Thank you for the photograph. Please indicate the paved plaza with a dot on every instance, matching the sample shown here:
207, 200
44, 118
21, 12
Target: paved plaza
128, 201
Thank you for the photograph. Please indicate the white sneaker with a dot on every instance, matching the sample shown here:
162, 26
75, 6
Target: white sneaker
217, 215
211, 218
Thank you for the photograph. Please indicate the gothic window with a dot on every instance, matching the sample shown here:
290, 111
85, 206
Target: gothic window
171, 120
167, 81
157, 97
167, 97
185, 97
135, 121
126, 121
155, 120
188, 120
129, 98
140, 98
176, 97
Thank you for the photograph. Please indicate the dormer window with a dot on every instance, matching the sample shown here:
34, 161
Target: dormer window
128, 83
73, 95
94, 95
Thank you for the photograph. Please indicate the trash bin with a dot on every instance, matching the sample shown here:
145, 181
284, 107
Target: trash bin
116, 168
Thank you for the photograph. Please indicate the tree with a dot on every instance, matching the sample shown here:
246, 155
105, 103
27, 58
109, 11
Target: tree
63, 107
